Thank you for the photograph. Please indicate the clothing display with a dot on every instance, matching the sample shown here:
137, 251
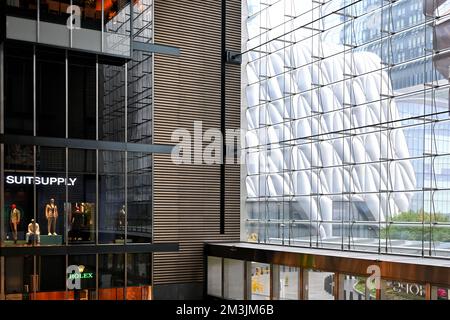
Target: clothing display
121, 223
122, 216
51, 213
78, 223
34, 233
15, 216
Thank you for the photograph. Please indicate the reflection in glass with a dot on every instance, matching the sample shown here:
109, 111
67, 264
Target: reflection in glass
112, 211
90, 13
233, 279
111, 122
289, 283
355, 288
260, 281
51, 93
139, 201
361, 108
22, 8
52, 276
139, 276
214, 276
82, 96
18, 61
396, 290
54, 11
318, 285
111, 276
117, 27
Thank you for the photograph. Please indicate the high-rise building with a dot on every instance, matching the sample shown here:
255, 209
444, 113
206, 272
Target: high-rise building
92, 206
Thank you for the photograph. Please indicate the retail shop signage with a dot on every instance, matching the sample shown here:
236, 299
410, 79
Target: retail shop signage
75, 275
86, 275
45, 181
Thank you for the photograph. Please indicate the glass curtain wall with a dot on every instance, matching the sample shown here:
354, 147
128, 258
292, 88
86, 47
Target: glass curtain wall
57, 195
347, 117
92, 25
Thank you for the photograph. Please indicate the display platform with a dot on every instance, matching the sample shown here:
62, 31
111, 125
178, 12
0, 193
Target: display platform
122, 241
12, 243
51, 240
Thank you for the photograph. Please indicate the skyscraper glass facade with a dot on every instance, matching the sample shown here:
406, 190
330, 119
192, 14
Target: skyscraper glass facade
347, 110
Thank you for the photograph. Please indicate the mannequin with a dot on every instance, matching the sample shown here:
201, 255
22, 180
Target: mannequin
121, 222
33, 234
15, 220
122, 216
77, 224
51, 213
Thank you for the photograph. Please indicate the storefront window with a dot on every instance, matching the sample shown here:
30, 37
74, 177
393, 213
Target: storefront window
19, 278
318, 285
51, 278
440, 293
48, 283
397, 290
260, 281
51, 185
215, 276
18, 206
139, 276
85, 266
81, 206
234, 279
355, 288
289, 283
111, 268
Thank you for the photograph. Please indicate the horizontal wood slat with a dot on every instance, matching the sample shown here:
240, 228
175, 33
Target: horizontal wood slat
187, 89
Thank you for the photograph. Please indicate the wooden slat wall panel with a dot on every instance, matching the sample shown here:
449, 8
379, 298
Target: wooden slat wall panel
187, 89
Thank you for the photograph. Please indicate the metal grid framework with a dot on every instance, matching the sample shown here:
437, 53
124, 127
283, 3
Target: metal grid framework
347, 119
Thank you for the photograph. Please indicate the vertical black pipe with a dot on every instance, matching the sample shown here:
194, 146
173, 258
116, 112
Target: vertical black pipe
223, 116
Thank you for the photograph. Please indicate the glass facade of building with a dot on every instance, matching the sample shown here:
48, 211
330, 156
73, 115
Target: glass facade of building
102, 26
347, 117
76, 165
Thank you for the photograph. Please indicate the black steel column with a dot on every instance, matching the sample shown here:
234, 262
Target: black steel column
223, 116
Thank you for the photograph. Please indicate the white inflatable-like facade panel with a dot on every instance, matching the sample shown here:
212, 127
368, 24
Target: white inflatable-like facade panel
288, 135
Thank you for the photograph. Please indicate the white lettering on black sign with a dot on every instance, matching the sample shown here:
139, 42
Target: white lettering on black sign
45, 181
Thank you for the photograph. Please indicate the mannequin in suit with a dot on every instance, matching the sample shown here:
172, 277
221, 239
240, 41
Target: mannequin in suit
15, 220
51, 213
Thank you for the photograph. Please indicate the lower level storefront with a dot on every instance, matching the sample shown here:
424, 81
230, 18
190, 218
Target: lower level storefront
125, 276
249, 271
